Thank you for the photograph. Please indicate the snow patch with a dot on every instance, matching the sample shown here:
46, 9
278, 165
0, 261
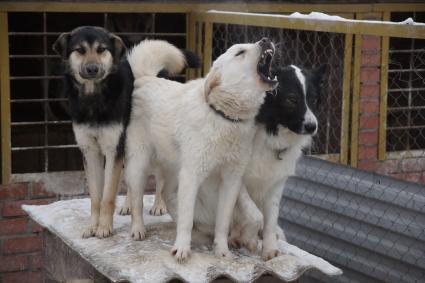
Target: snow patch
317, 16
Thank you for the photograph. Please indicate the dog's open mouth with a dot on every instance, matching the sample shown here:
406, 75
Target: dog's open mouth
265, 63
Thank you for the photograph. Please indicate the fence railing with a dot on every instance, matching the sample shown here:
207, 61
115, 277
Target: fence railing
303, 40
353, 123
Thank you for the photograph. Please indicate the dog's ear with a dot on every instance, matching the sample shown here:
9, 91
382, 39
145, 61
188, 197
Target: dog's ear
61, 44
119, 47
212, 81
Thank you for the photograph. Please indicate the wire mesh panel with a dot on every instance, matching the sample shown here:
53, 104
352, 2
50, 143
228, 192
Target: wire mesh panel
306, 49
405, 140
41, 131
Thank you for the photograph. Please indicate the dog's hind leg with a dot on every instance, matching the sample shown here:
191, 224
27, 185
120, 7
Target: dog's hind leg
113, 168
159, 207
136, 176
126, 207
93, 165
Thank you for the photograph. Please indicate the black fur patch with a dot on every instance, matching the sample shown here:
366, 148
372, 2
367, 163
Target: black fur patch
192, 60
286, 106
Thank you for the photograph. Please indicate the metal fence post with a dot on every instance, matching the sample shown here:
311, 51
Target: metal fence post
383, 103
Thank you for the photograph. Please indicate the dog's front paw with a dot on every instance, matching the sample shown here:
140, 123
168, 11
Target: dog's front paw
124, 210
181, 252
138, 232
268, 254
222, 252
89, 232
158, 209
104, 231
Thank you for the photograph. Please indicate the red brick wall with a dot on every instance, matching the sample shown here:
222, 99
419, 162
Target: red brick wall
369, 99
20, 238
410, 169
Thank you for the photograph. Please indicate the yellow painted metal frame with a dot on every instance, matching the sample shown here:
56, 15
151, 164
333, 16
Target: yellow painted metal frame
174, 7
208, 36
346, 89
190, 40
5, 99
383, 103
355, 104
286, 22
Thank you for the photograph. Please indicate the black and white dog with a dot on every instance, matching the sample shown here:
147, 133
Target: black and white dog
98, 82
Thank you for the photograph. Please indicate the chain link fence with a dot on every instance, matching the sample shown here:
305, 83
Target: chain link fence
306, 49
366, 222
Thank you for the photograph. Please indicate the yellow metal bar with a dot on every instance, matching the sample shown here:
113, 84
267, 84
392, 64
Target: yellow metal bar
190, 41
281, 21
346, 87
5, 99
383, 93
356, 99
199, 45
148, 7
207, 47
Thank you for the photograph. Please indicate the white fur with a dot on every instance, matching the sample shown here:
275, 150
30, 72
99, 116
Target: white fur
173, 124
151, 56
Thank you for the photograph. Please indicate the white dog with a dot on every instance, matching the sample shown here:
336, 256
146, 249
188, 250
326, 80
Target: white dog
285, 126
195, 130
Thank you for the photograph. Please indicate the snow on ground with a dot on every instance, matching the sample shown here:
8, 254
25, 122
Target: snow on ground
121, 258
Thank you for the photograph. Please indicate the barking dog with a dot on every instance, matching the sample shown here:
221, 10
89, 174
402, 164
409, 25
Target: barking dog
285, 125
194, 130
98, 82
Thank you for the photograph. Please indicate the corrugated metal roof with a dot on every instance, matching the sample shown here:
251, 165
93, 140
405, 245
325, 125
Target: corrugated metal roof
369, 225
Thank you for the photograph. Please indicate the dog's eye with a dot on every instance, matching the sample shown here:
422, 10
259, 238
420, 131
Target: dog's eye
240, 53
80, 50
101, 49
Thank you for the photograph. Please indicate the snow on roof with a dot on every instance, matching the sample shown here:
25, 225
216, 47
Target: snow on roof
121, 258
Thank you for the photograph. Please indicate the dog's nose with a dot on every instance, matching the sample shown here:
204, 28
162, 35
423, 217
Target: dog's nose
310, 128
92, 70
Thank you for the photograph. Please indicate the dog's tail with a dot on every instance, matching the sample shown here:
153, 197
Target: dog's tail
159, 58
